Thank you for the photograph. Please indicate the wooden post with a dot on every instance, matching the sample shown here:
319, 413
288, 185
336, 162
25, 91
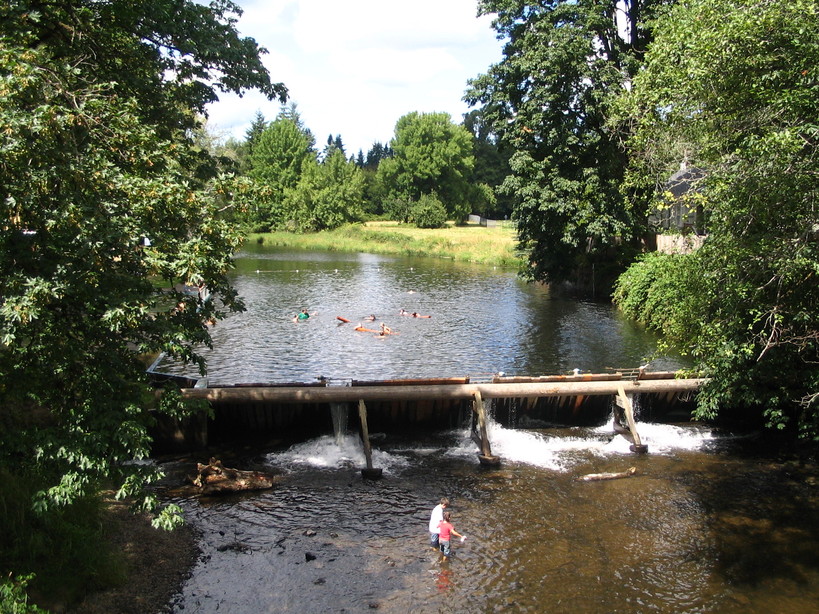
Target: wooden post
625, 403
369, 471
485, 456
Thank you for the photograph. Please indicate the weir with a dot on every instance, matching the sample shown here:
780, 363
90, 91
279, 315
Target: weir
287, 410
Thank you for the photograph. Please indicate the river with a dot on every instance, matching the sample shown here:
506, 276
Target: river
708, 523
701, 527
483, 320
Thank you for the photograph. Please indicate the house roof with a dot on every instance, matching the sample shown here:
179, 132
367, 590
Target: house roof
684, 180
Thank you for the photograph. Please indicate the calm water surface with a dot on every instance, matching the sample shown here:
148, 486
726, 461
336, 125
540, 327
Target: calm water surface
703, 526
483, 320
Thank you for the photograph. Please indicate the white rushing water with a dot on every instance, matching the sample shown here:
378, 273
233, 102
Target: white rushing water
561, 451
336, 452
557, 451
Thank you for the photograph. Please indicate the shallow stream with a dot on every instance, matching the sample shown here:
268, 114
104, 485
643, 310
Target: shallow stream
700, 527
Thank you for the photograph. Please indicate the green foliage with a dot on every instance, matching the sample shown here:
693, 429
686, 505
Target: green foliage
491, 166
398, 208
277, 162
114, 226
548, 100
428, 212
13, 597
245, 149
735, 81
660, 290
174, 56
84, 180
376, 154
327, 195
62, 548
430, 154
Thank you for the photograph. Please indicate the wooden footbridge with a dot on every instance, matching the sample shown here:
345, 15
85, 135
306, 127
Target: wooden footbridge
435, 403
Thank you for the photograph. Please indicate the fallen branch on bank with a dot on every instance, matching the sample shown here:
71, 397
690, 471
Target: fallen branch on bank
214, 479
596, 477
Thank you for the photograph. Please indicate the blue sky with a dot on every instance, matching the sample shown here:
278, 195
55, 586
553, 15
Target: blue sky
354, 67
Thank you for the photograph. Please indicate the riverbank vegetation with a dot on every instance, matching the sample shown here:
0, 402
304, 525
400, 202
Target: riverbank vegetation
744, 305
104, 192
726, 88
427, 175
493, 246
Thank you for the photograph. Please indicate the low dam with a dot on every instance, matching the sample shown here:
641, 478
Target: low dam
285, 411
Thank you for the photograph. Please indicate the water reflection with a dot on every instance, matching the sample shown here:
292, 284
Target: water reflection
484, 320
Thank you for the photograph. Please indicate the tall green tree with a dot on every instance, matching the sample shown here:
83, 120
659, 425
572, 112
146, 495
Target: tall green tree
373, 190
276, 163
431, 154
109, 210
548, 100
333, 142
735, 81
327, 195
377, 152
252, 135
491, 163
291, 111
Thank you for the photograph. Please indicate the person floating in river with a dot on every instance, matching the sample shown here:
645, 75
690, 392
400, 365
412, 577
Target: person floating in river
371, 317
301, 316
385, 330
446, 531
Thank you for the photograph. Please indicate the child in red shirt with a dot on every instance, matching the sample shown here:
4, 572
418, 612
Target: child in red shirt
447, 530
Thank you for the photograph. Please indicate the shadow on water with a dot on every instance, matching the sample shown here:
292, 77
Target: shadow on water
766, 524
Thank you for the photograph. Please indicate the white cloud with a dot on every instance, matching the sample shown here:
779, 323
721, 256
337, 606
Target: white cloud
353, 68
323, 24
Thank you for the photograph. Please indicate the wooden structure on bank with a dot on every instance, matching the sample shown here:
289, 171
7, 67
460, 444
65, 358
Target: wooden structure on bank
433, 404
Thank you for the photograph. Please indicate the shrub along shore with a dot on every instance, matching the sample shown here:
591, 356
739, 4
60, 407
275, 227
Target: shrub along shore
468, 243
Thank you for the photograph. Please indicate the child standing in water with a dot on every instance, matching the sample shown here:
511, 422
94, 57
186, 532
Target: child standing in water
435, 521
446, 532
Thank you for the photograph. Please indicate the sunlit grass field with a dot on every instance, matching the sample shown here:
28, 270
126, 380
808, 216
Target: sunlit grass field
470, 243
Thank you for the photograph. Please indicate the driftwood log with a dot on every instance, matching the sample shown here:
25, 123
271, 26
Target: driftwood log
596, 477
214, 479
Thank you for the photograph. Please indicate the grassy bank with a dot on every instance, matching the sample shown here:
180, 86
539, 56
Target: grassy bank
471, 243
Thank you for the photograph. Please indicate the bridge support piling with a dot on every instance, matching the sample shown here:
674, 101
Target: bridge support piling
369, 472
624, 401
480, 437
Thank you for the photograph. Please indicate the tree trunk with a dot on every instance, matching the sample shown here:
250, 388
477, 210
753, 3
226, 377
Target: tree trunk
214, 478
